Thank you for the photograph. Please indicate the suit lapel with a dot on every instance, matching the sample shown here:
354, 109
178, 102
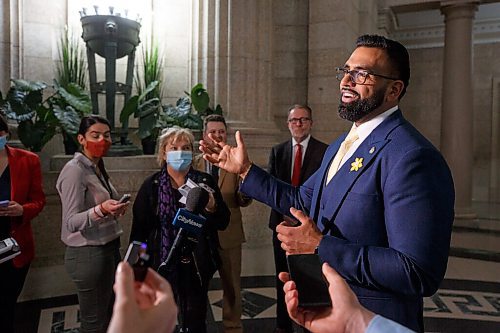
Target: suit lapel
322, 171
308, 158
344, 179
335, 192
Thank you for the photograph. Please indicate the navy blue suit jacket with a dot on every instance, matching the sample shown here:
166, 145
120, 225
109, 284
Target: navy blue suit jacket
387, 226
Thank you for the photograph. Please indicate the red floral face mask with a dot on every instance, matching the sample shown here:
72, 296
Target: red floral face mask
98, 148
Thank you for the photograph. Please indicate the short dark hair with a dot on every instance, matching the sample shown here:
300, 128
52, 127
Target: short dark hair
396, 52
88, 121
301, 106
218, 118
4, 126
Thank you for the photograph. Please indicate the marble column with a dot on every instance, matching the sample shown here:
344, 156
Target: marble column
10, 63
334, 26
457, 105
231, 55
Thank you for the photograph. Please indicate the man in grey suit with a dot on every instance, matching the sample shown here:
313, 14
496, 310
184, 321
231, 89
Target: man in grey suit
292, 161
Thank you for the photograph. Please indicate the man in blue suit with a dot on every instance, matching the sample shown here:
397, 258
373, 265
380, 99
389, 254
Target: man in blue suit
379, 210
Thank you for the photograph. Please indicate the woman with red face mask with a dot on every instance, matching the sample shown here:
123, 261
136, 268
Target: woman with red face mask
90, 228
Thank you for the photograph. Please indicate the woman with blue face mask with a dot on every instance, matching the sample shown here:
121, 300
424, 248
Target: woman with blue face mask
154, 210
21, 200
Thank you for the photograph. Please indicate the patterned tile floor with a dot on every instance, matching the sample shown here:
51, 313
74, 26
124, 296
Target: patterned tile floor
467, 302
459, 306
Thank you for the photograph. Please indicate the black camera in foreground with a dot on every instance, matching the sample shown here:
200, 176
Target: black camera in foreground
137, 257
8, 249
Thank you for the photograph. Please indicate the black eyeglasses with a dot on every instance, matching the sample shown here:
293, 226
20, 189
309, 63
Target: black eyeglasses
357, 76
295, 121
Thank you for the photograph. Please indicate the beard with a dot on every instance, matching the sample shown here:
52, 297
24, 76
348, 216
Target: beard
358, 109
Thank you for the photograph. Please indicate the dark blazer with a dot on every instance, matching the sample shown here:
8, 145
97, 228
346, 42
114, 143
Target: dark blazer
26, 190
280, 166
146, 224
387, 223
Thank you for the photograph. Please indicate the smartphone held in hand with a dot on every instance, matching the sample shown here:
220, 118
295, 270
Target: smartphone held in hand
137, 257
305, 271
125, 198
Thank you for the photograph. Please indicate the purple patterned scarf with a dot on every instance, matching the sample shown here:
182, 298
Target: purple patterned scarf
168, 205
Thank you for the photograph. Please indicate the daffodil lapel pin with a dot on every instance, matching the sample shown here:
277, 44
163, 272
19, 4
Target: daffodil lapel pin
357, 164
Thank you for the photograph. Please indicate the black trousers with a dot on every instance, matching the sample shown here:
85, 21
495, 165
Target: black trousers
11, 284
283, 321
190, 288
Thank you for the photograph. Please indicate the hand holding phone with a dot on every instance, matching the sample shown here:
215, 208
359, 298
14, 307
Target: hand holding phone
137, 257
4, 203
125, 198
305, 271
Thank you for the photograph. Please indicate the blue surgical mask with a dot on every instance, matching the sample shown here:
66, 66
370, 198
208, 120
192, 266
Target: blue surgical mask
179, 160
3, 142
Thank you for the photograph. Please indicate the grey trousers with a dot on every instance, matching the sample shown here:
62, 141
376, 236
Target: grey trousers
92, 269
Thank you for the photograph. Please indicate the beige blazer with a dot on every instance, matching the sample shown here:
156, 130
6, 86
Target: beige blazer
229, 183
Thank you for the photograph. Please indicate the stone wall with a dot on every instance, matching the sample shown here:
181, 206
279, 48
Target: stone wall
282, 52
422, 107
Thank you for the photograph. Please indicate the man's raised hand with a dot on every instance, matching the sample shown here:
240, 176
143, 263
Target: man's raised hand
232, 159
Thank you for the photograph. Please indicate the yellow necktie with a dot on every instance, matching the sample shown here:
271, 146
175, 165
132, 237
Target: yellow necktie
344, 147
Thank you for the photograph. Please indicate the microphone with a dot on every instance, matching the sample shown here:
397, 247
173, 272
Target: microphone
188, 218
190, 223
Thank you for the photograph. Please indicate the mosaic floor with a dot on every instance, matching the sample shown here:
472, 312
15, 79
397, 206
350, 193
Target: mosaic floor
459, 306
467, 302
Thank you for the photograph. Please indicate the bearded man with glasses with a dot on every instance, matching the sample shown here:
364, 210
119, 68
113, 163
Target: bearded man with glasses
379, 210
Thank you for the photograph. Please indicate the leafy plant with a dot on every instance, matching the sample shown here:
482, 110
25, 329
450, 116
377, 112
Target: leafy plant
152, 65
72, 67
70, 82
39, 120
182, 114
146, 104
23, 103
69, 105
201, 101
144, 108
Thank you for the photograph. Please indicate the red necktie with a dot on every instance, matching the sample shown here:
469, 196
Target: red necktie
297, 164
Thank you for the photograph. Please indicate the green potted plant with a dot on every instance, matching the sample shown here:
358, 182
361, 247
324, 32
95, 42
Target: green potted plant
69, 104
24, 103
188, 112
38, 119
146, 109
182, 114
70, 87
201, 101
149, 87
